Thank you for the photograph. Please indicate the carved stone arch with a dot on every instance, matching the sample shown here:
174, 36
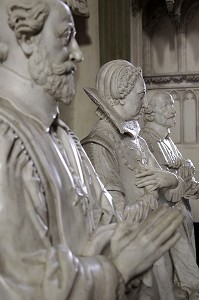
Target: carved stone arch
191, 92
138, 5
189, 10
175, 94
176, 132
152, 13
189, 108
144, 18
185, 78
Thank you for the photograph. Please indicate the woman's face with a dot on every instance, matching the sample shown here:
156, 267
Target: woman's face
133, 102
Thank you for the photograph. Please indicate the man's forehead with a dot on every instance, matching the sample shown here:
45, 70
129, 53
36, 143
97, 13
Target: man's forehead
60, 13
165, 98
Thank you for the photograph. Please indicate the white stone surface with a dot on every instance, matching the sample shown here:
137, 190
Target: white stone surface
81, 116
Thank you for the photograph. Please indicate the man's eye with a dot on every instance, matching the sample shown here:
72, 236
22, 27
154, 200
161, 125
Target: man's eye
165, 107
142, 95
65, 40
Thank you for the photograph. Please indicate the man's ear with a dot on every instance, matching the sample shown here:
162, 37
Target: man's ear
27, 44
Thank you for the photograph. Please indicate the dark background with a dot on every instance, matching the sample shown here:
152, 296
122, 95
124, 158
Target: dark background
196, 227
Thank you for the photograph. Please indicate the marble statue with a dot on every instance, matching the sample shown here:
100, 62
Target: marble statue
122, 159
58, 236
159, 118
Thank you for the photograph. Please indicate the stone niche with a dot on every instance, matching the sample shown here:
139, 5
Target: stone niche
165, 43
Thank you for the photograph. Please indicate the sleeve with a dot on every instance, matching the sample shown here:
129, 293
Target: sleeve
187, 172
31, 267
173, 195
192, 193
107, 168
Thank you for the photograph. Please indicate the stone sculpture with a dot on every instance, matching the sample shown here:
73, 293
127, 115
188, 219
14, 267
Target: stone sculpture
56, 240
122, 159
78, 7
159, 118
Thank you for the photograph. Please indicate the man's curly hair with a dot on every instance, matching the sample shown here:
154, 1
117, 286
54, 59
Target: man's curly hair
27, 17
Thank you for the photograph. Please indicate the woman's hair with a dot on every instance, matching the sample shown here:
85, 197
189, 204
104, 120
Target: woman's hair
116, 79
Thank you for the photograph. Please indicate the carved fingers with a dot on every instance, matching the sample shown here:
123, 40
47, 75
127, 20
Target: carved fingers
138, 211
140, 245
156, 179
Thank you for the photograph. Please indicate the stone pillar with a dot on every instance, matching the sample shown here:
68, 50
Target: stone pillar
114, 29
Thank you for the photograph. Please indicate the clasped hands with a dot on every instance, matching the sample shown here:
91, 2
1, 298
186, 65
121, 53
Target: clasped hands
133, 248
154, 179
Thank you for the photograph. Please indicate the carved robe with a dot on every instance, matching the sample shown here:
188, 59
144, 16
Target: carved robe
169, 157
51, 203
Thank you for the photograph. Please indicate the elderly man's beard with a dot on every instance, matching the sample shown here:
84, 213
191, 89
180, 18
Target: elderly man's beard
56, 80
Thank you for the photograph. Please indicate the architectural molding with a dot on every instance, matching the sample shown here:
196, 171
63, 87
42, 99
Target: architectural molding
166, 79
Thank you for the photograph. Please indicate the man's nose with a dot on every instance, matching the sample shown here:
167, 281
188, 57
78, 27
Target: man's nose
145, 102
75, 52
173, 110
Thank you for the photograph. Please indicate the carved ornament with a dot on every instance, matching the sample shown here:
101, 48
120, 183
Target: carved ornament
165, 79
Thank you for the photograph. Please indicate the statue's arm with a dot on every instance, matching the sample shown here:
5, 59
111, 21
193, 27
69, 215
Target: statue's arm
106, 165
170, 185
187, 172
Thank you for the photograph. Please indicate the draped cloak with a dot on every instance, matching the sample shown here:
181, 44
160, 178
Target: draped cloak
51, 203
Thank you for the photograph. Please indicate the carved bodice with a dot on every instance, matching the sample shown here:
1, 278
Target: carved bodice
117, 158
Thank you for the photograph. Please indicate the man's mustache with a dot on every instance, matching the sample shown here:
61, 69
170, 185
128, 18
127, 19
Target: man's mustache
66, 68
171, 116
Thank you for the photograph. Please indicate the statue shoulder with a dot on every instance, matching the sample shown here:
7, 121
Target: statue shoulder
147, 134
150, 138
103, 135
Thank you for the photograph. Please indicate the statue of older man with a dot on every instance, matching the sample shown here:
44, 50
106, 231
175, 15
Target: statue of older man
159, 119
54, 212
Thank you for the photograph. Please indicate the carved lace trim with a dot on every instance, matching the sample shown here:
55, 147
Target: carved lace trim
109, 112
80, 186
114, 138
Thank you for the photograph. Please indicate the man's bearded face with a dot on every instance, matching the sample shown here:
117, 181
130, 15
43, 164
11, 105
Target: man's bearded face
165, 111
56, 80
